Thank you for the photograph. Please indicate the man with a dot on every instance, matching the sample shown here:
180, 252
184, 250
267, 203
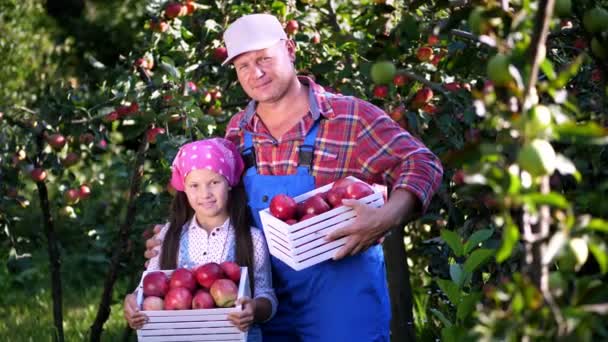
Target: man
295, 136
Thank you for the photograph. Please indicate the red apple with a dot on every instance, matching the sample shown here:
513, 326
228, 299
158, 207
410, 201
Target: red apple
433, 39
155, 284
421, 97
178, 298
152, 303
152, 133
224, 292
292, 27
429, 108
158, 25
283, 207
173, 9
208, 273
397, 112
203, 300
424, 54
316, 38
458, 177
70, 159
291, 221
358, 190
57, 141
38, 174
232, 270
452, 86
335, 196
220, 54
86, 138
112, 116
133, 108
306, 217
190, 7
380, 91
84, 192
399, 80
315, 205
342, 183
182, 277
71, 196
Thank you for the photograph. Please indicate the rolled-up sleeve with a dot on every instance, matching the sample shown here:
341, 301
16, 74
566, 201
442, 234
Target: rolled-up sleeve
262, 271
394, 156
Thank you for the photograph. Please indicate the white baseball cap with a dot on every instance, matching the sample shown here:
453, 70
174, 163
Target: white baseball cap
252, 32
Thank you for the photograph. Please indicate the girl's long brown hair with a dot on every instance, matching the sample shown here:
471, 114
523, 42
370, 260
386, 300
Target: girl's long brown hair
240, 217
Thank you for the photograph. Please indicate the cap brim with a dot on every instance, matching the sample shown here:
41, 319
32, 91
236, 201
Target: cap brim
258, 46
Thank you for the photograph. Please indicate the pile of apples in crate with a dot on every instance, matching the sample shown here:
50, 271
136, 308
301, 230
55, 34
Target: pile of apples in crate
285, 207
208, 286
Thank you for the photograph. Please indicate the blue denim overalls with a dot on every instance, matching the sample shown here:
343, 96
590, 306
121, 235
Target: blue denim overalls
334, 301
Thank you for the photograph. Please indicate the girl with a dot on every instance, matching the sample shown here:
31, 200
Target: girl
210, 223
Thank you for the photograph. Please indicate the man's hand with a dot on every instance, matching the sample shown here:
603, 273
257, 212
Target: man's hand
371, 223
243, 319
153, 242
134, 317
365, 231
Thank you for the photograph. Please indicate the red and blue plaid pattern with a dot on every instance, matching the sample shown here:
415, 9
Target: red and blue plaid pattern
355, 138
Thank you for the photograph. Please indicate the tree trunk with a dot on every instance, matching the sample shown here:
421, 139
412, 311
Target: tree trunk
54, 260
120, 246
400, 290
53, 250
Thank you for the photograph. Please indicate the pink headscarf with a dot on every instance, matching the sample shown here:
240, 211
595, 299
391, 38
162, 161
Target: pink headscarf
216, 154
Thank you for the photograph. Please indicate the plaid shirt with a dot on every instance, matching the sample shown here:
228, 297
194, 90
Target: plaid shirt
355, 138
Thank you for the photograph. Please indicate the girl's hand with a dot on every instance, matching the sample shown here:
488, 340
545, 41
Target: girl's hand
134, 317
243, 319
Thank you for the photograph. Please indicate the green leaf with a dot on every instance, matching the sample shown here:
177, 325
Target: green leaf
510, 236
185, 33
585, 133
466, 305
557, 242
598, 224
600, 253
477, 258
454, 333
548, 69
169, 66
553, 199
566, 167
450, 289
457, 275
567, 73
453, 240
441, 317
477, 238
279, 8
580, 249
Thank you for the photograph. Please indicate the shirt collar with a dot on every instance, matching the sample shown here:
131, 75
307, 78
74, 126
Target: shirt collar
319, 103
192, 224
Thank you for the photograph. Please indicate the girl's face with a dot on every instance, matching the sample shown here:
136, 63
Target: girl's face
207, 193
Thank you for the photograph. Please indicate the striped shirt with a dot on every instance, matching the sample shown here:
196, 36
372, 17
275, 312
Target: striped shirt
355, 138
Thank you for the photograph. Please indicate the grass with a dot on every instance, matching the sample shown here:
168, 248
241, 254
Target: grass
29, 317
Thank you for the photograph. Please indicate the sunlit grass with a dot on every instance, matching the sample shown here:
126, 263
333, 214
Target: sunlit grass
29, 317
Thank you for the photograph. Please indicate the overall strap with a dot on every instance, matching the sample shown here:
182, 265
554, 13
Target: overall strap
306, 150
248, 151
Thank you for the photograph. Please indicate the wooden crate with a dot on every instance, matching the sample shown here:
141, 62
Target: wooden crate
192, 325
303, 244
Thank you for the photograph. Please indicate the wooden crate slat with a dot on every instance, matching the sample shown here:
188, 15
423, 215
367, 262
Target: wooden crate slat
189, 331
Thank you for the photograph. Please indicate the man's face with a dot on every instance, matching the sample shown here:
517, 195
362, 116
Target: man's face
266, 74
